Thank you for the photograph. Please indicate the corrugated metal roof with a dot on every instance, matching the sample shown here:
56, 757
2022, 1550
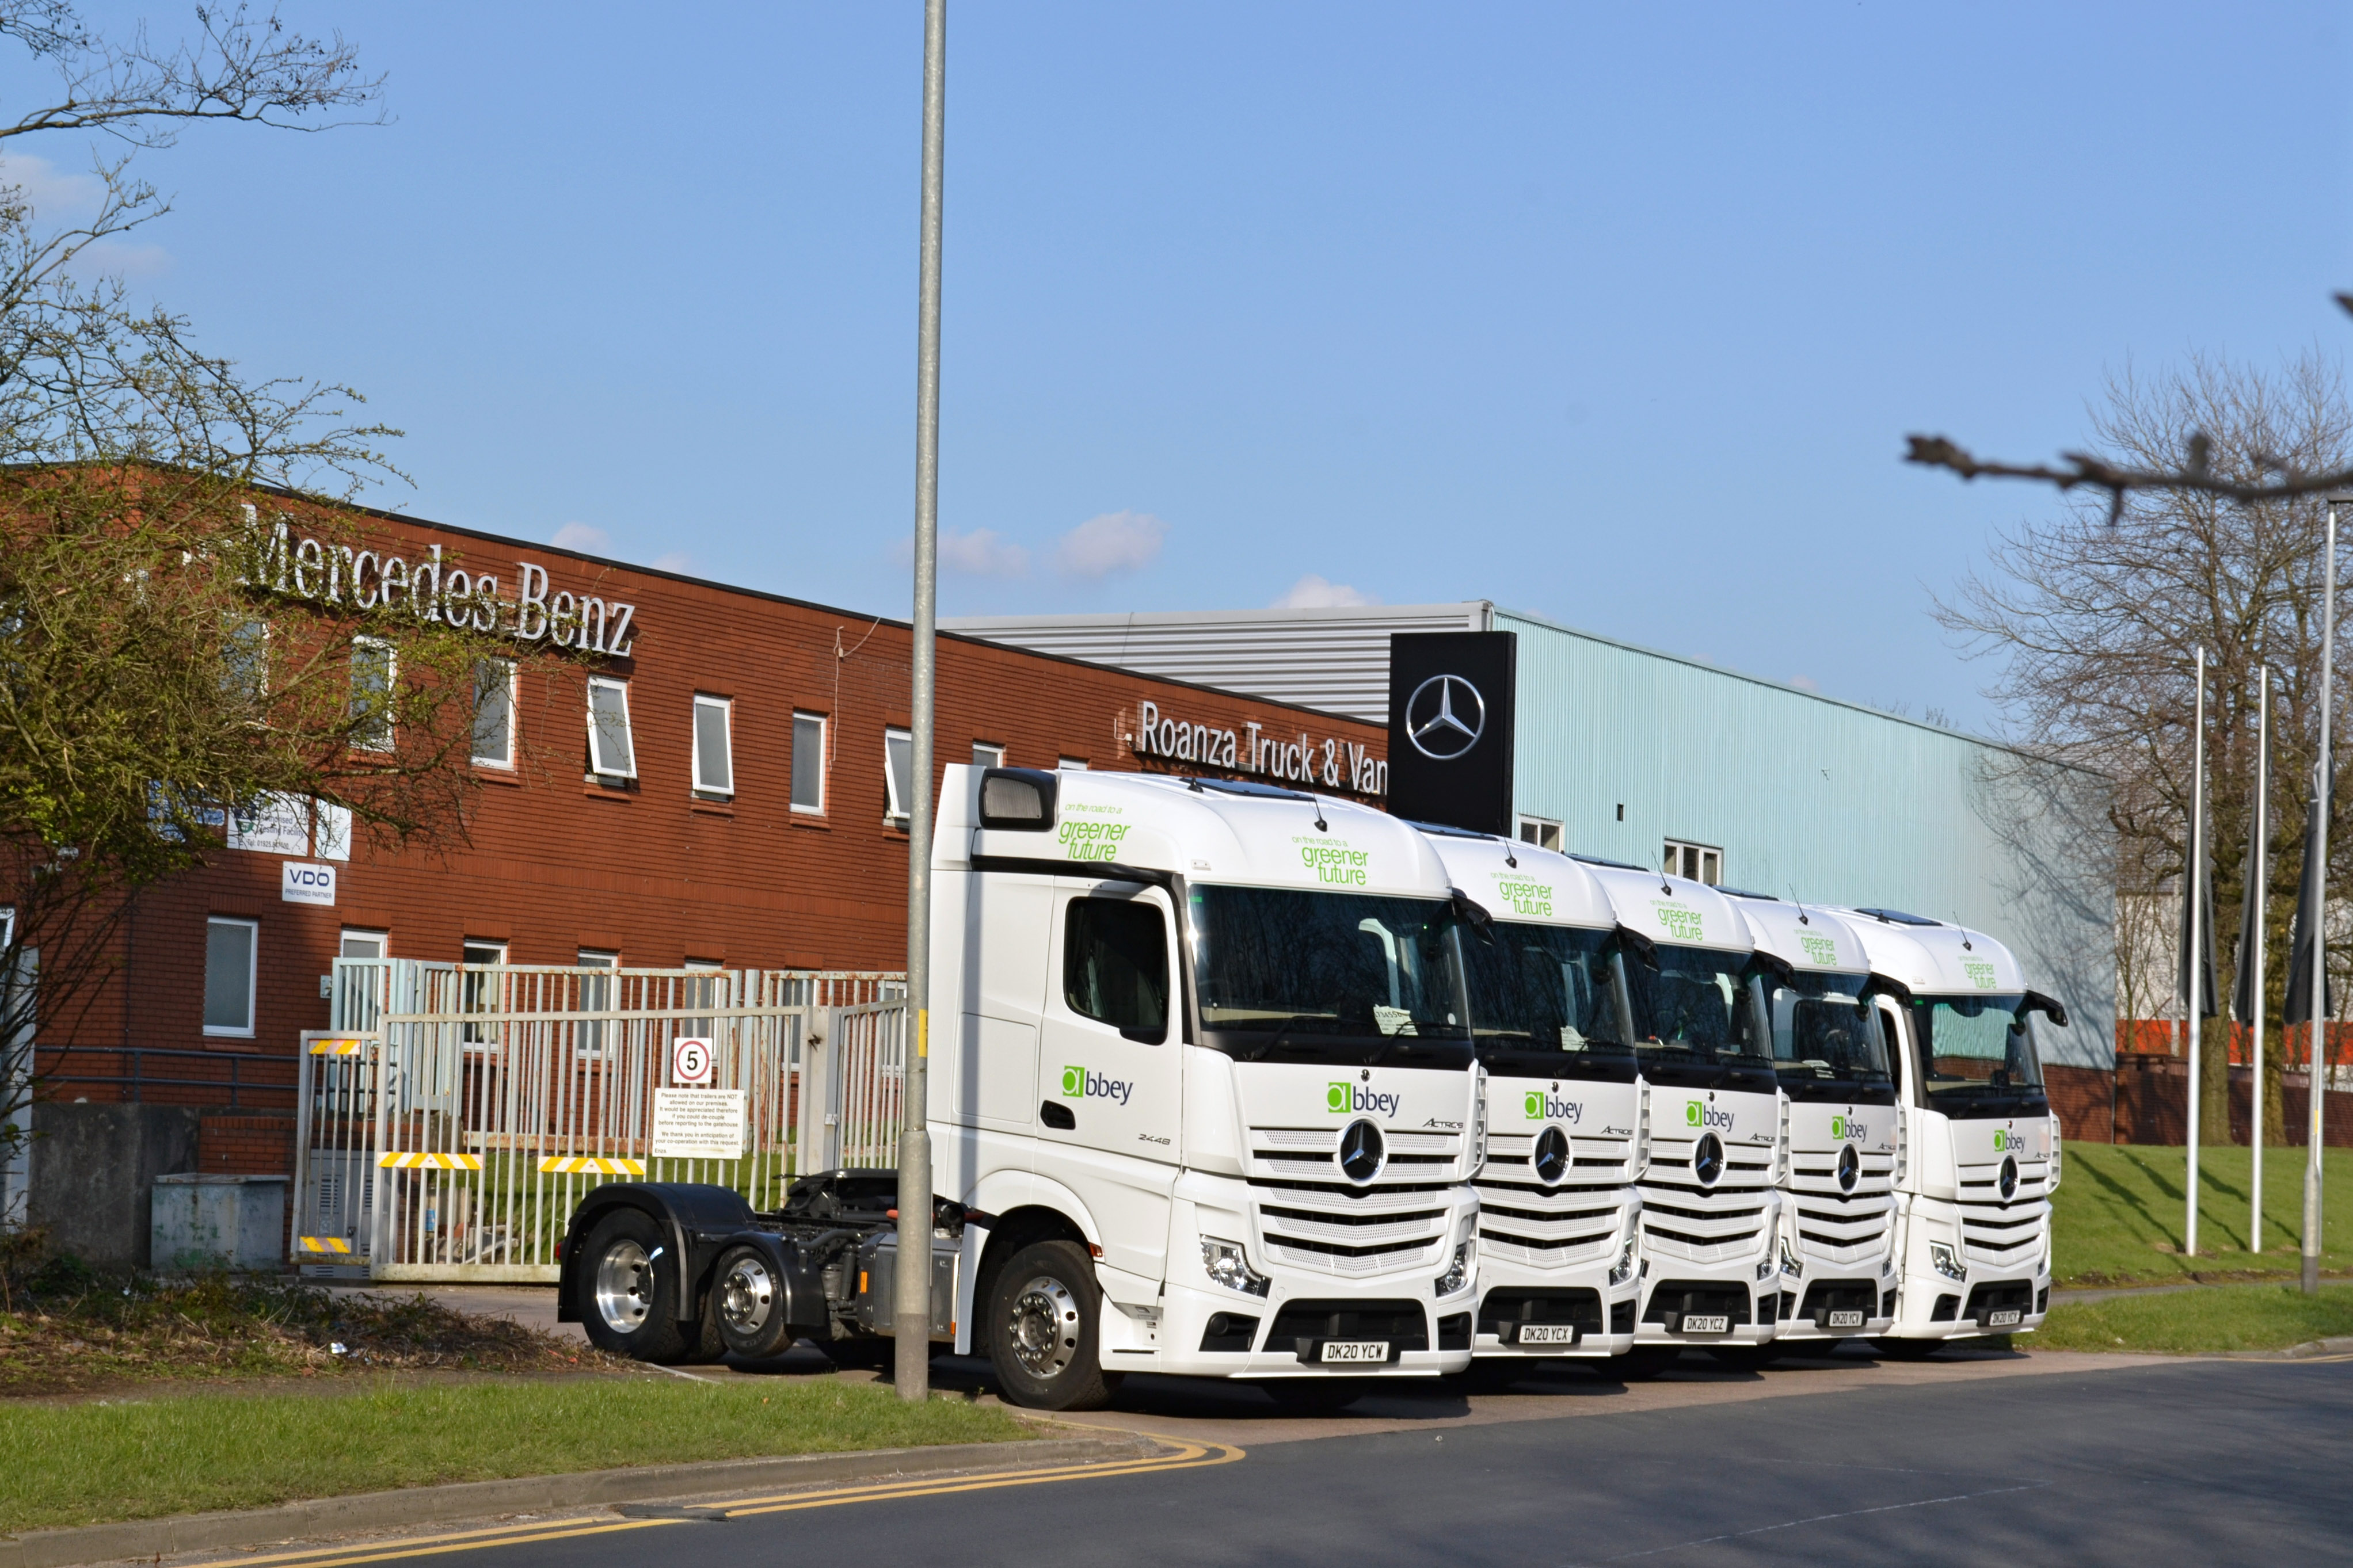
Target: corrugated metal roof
1336, 659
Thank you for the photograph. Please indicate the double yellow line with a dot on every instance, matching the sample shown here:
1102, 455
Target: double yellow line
1185, 1456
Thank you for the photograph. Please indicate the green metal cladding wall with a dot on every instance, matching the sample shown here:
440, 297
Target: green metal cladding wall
1839, 803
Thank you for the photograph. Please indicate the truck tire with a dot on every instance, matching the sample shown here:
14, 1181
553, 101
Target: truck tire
629, 1289
1045, 1312
747, 1305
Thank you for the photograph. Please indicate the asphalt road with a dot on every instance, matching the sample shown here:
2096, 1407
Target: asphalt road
2204, 1461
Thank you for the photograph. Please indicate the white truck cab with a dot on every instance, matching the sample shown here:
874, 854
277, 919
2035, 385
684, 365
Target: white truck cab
1558, 1209
1838, 1205
1980, 1145
1209, 1039
1711, 1122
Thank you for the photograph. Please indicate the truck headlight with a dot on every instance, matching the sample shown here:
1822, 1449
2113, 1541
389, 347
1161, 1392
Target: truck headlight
1789, 1264
1226, 1266
1457, 1272
1624, 1269
1946, 1263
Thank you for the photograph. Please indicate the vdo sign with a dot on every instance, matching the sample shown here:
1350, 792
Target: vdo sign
1450, 703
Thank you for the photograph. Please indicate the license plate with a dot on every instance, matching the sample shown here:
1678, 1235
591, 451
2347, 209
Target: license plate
1356, 1351
1846, 1319
1547, 1334
2006, 1318
1707, 1323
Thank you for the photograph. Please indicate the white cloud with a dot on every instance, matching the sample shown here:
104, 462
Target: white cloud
581, 537
983, 552
51, 192
675, 560
1312, 593
1115, 541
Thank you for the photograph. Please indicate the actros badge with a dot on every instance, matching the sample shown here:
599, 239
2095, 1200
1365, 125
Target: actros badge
1445, 716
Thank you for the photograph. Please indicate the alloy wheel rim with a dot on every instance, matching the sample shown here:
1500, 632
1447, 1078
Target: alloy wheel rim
625, 1285
1044, 1327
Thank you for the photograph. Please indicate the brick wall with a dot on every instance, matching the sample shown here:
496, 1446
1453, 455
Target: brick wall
2153, 1105
245, 1145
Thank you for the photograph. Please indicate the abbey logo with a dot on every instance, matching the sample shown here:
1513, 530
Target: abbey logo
1845, 1127
1820, 950
1077, 1083
2008, 1142
1699, 1115
1979, 972
1342, 1097
1091, 840
1526, 898
1542, 1107
1681, 921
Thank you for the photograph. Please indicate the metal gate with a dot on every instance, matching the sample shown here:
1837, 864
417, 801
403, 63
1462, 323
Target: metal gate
451, 1122
851, 1086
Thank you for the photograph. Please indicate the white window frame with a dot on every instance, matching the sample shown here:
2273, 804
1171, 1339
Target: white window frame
391, 685
596, 758
514, 712
590, 1040
1535, 829
987, 754
895, 811
252, 976
383, 939
701, 1027
1706, 856
793, 763
472, 987
1071, 764
725, 706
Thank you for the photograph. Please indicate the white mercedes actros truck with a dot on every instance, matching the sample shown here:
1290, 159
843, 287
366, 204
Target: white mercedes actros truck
1711, 1118
1837, 1191
1558, 1210
1202, 1100
1980, 1146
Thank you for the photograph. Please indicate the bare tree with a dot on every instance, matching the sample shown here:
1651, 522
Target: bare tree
2095, 616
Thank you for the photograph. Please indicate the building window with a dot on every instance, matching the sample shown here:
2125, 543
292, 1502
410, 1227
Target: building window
898, 772
1541, 832
357, 944
1074, 764
987, 754
595, 996
715, 753
372, 677
1695, 862
244, 662
700, 989
494, 712
479, 992
229, 964
808, 763
611, 754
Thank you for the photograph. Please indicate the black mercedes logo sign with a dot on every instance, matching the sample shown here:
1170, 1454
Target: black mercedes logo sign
1445, 716
1850, 1166
1361, 1152
1552, 1156
1707, 1158
2009, 1176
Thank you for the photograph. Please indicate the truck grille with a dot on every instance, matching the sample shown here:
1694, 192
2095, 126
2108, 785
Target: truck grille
1310, 1217
1703, 1224
1525, 1221
2000, 1234
1836, 1227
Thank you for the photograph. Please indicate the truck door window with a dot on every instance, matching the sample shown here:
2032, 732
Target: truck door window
1115, 966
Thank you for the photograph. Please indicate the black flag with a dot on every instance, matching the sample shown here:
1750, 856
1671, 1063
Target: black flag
2209, 1005
2299, 939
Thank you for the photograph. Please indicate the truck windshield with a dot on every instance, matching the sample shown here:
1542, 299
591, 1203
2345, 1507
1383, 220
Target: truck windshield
1544, 1002
1824, 1034
1285, 974
1977, 1055
1693, 1023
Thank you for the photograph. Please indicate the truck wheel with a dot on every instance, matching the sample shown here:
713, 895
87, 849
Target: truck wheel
1043, 1318
630, 1305
747, 1302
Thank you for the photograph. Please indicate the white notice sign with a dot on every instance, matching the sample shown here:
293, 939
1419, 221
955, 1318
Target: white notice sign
697, 1124
301, 882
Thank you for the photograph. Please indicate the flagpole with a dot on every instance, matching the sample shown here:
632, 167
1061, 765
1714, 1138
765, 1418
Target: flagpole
2259, 875
2193, 890
2316, 913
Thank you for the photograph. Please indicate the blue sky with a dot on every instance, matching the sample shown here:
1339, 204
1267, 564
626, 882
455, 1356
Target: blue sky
1614, 314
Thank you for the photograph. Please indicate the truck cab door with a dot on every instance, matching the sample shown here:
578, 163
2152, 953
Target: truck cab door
1110, 1081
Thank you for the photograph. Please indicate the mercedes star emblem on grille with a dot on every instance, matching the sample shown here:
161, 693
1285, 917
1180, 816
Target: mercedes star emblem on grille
1551, 1160
2009, 1177
1361, 1152
1445, 716
1707, 1158
1850, 1166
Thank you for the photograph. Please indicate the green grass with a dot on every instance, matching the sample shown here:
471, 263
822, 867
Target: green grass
2119, 1215
85, 1463
2222, 1318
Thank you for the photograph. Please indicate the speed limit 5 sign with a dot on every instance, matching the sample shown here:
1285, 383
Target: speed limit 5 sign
690, 1059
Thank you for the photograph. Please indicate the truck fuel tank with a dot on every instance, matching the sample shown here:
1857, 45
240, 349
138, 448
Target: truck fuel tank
878, 1269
